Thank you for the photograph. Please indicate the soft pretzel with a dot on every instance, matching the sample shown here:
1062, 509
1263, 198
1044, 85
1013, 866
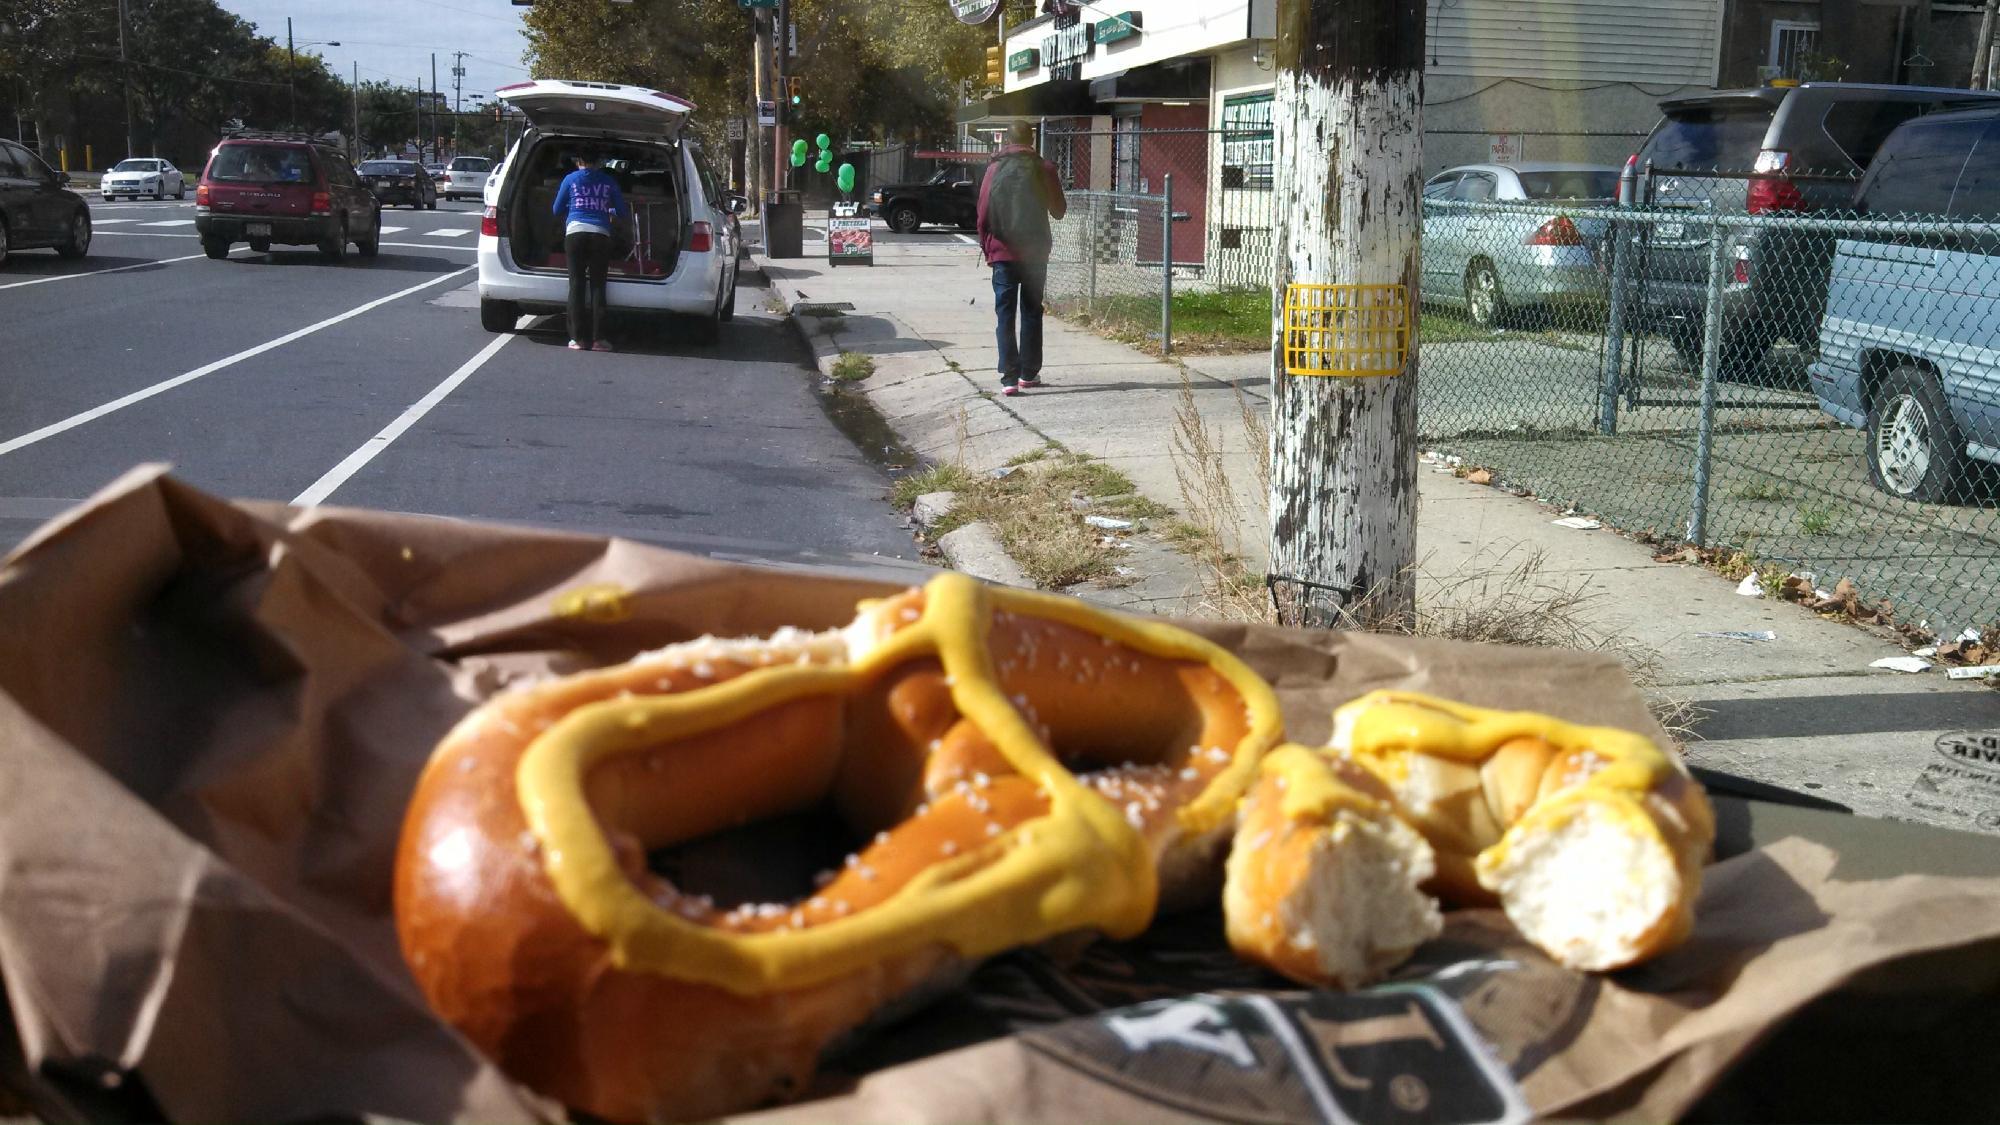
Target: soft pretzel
1592, 839
1008, 767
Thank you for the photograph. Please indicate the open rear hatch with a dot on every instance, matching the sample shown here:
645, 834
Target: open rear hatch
637, 134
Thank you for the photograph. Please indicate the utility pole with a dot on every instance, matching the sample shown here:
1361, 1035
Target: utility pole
1347, 125
124, 69
1982, 50
760, 91
457, 95
354, 145
781, 55
434, 106
291, 78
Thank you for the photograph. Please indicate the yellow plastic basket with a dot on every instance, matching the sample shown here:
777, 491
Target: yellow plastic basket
1350, 331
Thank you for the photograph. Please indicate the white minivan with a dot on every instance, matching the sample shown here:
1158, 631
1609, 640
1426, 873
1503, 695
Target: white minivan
678, 257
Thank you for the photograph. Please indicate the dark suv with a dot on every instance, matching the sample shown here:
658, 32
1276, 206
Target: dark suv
950, 198
1770, 151
267, 189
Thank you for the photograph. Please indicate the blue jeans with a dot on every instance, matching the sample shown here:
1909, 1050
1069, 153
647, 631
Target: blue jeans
1017, 291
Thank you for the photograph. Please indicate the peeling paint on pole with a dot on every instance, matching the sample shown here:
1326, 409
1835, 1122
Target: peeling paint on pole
1348, 179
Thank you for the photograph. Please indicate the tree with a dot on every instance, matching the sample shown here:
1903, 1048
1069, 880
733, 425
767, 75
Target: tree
1347, 129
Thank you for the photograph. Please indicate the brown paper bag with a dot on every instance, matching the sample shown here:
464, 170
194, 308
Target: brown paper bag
211, 715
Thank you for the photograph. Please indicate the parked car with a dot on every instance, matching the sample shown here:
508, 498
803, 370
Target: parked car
400, 181
1493, 261
37, 208
1769, 151
272, 188
1910, 341
949, 198
679, 256
437, 173
466, 176
143, 176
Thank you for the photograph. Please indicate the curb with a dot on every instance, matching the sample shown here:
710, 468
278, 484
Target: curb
974, 549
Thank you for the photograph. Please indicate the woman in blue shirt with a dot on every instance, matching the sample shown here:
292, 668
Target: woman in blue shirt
590, 202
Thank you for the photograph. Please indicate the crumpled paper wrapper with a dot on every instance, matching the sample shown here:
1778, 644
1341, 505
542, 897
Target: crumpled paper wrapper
213, 713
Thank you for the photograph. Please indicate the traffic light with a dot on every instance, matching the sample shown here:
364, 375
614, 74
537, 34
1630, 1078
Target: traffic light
996, 66
794, 88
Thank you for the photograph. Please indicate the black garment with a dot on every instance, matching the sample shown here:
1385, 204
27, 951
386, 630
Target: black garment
589, 264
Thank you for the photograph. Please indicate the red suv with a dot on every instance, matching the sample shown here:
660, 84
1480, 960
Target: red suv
265, 188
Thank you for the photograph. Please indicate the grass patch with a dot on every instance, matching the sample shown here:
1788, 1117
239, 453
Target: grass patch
937, 478
1228, 320
1761, 490
852, 367
1817, 519
1032, 510
1436, 327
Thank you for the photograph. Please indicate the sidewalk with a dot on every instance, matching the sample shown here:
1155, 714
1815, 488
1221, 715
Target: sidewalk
1804, 710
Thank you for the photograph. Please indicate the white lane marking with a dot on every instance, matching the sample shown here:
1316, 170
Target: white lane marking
967, 239
303, 248
165, 385
393, 230
94, 273
447, 233
354, 462
170, 223
108, 222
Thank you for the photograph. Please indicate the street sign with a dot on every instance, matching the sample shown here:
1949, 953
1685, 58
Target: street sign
767, 114
1503, 148
735, 126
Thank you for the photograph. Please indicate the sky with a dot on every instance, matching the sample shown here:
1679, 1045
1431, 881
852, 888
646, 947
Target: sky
392, 40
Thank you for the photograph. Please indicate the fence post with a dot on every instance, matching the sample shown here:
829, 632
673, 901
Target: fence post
1087, 234
1711, 365
1614, 328
1167, 267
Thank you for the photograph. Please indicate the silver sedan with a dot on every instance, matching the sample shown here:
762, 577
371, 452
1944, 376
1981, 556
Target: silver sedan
143, 176
1499, 237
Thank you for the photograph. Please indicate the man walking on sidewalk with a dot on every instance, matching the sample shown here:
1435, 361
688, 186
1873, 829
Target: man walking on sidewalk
1016, 201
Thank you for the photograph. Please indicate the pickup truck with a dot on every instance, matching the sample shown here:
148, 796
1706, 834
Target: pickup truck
949, 198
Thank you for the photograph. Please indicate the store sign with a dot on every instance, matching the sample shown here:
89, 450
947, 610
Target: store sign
1027, 58
1124, 25
849, 240
974, 11
1063, 53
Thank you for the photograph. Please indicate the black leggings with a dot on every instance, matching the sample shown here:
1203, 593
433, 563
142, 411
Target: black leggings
589, 264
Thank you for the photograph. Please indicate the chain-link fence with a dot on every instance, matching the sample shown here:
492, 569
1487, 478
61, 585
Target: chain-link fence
1820, 391
1117, 261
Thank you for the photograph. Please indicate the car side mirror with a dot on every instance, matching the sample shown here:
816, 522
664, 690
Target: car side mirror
735, 204
962, 185
62, 178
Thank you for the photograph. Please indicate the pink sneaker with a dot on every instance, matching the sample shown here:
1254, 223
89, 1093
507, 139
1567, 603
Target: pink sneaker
1010, 392
602, 346
574, 346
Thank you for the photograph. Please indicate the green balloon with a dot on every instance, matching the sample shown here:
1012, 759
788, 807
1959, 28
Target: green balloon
825, 142
799, 151
822, 166
798, 158
846, 177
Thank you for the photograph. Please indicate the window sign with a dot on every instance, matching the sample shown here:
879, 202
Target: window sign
1247, 146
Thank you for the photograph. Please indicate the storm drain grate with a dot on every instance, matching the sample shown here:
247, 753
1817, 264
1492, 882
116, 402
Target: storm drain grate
822, 308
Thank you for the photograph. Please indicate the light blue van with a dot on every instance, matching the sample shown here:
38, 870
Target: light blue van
1910, 343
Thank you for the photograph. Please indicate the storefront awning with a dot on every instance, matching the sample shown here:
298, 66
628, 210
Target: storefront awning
1045, 99
1176, 80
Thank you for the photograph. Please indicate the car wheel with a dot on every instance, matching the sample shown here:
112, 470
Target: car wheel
181, 192
904, 219
708, 329
431, 204
3, 242
372, 245
334, 249
498, 316
215, 248
78, 242
1914, 450
729, 302
260, 246
159, 195
1485, 305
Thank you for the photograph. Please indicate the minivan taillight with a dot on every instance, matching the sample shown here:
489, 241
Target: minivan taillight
698, 239
1558, 231
489, 223
322, 203
1771, 186
201, 195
